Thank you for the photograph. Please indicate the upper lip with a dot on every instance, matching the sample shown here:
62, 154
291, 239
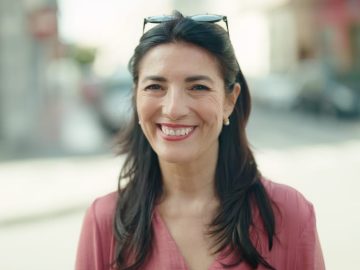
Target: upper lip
172, 125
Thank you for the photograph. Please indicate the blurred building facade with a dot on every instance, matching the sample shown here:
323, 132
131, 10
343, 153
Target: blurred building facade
320, 40
326, 29
38, 82
339, 27
28, 34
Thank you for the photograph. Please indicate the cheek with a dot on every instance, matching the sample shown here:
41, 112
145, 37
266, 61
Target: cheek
212, 110
144, 107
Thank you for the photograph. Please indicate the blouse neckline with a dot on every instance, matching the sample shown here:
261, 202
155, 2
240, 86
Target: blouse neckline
161, 226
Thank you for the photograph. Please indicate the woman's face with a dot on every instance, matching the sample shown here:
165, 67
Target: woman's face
181, 103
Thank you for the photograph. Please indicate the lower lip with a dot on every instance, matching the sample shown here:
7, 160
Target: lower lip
175, 138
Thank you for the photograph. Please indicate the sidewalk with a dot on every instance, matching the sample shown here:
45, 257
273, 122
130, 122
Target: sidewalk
328, 176
41, 188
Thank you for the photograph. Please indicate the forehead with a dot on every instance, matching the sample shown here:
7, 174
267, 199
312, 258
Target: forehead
181, 59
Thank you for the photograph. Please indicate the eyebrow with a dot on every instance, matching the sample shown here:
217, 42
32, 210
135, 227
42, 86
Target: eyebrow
188, 79
198, 78
154, 78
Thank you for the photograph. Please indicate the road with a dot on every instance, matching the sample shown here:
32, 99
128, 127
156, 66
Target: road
44, 245
319, 156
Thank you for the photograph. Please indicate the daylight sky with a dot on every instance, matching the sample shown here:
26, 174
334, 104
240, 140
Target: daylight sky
115, 26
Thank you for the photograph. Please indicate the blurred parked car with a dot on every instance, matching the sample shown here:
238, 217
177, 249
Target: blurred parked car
114, 104
277, 90
324, 91
311, 87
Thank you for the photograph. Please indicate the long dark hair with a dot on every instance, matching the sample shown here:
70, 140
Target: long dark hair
237, 178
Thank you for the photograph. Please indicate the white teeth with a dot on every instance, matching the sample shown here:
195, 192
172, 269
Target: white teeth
176, 131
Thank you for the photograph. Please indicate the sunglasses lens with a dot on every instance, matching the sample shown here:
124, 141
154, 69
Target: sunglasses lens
159, 19
207, 18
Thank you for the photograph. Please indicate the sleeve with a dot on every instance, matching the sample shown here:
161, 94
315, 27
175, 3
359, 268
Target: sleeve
90, 253
308, 252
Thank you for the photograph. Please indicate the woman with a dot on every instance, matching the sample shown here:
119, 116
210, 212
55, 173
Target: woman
195, 198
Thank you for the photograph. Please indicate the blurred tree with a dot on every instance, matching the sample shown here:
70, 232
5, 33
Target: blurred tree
84, 56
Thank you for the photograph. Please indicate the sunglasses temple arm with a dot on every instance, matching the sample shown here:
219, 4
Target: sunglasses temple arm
144, 25
227, 27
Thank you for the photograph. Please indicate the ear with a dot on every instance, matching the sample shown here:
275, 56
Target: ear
230, 100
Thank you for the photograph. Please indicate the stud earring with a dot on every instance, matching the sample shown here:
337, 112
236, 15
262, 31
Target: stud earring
226, 121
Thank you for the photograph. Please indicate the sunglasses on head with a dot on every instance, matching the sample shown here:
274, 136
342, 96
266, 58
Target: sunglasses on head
209, 18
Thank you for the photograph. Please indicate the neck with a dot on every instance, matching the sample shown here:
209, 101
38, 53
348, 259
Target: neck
190, 185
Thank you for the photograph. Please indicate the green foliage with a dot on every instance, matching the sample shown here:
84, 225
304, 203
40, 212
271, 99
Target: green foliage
83, 55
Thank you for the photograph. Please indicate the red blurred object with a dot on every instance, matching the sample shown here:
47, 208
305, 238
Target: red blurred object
90, 90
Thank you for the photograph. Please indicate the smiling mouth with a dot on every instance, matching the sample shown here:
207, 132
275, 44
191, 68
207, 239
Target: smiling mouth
176, 132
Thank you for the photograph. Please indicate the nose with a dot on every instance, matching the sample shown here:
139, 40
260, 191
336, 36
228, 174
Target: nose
175, 104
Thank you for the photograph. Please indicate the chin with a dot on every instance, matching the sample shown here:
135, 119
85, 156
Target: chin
176, 158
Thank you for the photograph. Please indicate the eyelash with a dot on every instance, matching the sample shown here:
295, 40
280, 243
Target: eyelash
197, 86
153, 87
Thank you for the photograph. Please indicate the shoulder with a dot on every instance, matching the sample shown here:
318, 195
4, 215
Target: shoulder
105, 205
292, 210
100, 215
295, 228
95, 247
286, 195
102, 209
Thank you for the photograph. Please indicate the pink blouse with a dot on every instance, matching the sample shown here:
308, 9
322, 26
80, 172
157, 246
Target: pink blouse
296, 244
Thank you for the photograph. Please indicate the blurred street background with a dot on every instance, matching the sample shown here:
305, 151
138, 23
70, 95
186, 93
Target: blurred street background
65, 91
